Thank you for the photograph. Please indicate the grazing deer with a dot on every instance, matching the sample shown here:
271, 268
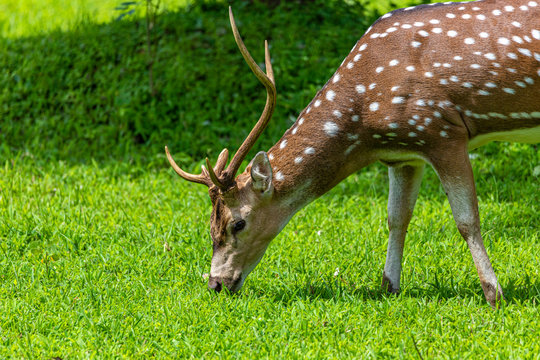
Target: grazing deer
423, 85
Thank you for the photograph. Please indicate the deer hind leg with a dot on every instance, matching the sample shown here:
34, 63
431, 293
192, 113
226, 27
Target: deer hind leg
456, 175
404, 186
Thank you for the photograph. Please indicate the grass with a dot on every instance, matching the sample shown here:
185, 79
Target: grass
31, 17
87, 205
85, 272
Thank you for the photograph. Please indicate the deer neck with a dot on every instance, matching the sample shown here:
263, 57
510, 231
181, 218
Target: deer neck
321, 149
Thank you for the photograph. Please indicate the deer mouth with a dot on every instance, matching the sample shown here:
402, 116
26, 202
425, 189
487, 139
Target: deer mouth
232, 285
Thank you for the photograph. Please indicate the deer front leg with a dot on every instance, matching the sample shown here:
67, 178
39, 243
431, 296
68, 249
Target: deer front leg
404, 186
456, 175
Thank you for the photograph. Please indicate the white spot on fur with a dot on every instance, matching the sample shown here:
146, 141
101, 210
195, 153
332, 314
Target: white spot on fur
525, 52
330, 95
331, 128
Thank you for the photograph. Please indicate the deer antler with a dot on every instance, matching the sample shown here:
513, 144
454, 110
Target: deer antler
200, 179
215, 175
207, 175
268, 81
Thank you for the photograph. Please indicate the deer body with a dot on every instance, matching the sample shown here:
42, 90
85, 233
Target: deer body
423, 85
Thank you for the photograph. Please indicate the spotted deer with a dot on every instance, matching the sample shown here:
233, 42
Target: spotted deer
424, 84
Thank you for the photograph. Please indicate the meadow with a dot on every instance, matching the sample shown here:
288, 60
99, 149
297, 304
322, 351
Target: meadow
103, 247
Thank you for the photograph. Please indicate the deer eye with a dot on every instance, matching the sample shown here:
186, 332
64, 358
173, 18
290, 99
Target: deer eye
239, 226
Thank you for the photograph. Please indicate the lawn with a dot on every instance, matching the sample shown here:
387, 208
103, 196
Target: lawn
104, 247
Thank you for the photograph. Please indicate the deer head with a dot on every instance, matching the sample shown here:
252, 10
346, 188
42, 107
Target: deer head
243, 219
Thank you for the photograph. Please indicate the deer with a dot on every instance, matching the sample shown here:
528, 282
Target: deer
423, 85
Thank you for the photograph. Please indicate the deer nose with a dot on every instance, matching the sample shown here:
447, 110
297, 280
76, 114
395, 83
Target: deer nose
214, 284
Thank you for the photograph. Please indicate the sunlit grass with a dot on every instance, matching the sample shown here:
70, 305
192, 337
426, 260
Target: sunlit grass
33, 17
85, 273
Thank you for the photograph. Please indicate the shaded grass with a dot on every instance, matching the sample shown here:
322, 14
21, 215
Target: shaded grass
84, 94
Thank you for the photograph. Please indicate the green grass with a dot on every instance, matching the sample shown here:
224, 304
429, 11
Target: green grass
85, 273
87, 203
31, 17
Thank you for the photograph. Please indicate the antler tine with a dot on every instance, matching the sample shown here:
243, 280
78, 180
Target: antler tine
222, 161
268, 81
218, 169
213, 175
269, 69
200, 179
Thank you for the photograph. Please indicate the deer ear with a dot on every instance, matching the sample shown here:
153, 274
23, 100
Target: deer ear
261, 172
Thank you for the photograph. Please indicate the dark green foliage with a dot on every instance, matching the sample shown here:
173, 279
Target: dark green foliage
84, 94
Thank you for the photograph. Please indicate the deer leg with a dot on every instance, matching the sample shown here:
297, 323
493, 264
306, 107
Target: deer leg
456, 175
404, 186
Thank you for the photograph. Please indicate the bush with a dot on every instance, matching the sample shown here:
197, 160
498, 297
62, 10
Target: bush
84, 94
